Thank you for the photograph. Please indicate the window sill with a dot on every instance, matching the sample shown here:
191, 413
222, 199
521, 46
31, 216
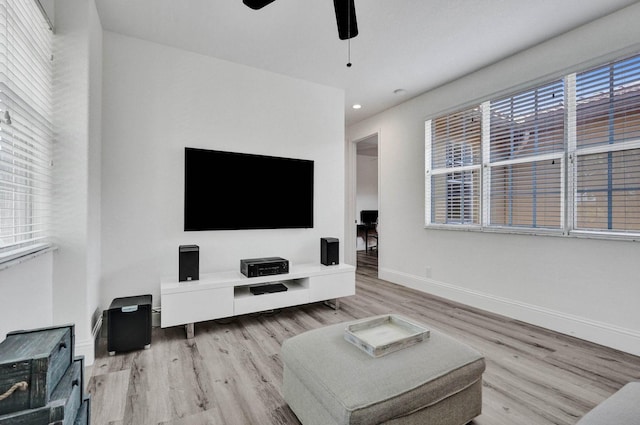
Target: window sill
26, 255
581, 234
633, 237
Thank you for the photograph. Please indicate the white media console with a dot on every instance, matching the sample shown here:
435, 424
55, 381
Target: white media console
226, 294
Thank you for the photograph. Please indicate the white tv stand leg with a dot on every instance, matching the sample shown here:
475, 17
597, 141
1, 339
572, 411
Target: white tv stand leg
334, 303
189, 330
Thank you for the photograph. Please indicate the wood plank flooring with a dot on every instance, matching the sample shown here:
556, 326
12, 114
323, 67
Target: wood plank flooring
231, 372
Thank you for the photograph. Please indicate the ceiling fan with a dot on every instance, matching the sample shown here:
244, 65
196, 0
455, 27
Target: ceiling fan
345, 15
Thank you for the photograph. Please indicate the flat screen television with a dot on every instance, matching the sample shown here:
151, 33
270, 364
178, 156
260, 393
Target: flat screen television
231, 191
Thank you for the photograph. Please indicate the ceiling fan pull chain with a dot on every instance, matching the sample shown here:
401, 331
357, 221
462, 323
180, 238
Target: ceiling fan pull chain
349, 33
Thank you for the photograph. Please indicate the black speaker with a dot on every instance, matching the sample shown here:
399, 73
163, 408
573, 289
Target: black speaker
129, 323
188, 262
329, 251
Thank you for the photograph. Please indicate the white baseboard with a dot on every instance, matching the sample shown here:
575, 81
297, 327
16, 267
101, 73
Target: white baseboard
623, 339
86, 348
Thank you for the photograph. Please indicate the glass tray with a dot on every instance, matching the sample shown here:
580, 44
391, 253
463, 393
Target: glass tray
381, 335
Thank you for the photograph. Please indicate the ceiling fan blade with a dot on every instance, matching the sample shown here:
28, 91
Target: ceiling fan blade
257, 4
346, 18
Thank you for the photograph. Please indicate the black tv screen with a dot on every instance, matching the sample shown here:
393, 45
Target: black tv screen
230, 191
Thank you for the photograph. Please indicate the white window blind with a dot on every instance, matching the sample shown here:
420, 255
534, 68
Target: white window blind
607, 148
526, 145
25, 127
559, 157
454, 159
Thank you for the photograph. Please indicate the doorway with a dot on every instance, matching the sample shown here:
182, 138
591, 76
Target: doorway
363, 204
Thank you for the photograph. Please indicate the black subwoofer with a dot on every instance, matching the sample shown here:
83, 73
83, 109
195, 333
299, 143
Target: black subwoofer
329, 251
129, 323
188, 262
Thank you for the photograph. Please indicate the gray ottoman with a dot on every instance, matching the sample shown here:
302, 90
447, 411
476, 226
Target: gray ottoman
622, 408
328, 380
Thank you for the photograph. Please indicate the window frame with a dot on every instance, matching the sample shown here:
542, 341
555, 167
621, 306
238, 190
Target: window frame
540, 105
614, 70
431, 171
568, 158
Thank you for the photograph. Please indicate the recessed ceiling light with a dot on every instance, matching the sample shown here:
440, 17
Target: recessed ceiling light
357, 106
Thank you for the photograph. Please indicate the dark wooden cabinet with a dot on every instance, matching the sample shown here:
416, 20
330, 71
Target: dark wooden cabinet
84, 413
43, 359
39, 358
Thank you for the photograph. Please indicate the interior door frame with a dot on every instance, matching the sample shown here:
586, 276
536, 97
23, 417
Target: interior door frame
351, 155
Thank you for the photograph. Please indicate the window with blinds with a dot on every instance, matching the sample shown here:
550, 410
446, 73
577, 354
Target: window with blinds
526, 145
25, 128
607, 148
560, 157
454, 161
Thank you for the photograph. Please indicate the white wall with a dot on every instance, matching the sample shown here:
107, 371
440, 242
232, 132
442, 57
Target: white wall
26, 294
61, 286
583, 287
94, 163
76, 200
367, 183
156, 101
366, 189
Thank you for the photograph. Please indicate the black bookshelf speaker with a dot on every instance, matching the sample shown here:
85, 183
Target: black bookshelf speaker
188, 262
329, 251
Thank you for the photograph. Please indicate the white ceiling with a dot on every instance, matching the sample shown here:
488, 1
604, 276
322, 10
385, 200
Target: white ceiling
415, 45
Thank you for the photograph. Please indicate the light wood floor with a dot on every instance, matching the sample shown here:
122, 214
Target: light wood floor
231, 372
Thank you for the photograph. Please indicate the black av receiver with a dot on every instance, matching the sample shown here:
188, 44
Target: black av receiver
254, 267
